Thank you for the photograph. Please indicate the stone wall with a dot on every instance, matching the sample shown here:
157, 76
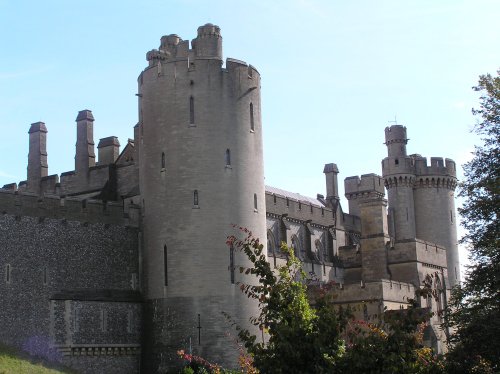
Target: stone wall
42, 259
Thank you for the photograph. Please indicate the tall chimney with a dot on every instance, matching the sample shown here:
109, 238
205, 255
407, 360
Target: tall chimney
332, 189
85, 156
37, 156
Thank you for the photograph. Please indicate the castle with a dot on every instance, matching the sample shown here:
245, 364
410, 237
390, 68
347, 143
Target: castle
116, 265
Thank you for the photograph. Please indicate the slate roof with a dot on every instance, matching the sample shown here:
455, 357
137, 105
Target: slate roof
294, 196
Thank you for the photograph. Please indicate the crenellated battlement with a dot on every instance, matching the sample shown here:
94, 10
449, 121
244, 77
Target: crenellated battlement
67, 208
207, 45
437, 167
395, 134
358, 190
369, 185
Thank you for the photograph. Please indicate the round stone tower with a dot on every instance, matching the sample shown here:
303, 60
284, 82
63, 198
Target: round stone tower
201, 170
421, 198
435, 208
397, 170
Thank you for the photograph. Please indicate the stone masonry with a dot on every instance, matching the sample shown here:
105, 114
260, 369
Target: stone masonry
116, 265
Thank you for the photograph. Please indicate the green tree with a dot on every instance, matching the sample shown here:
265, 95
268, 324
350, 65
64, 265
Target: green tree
474, 313
301, 339
395, 345
307, 333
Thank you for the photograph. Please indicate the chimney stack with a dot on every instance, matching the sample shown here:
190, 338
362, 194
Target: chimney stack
109, 150
85, 156
37, 156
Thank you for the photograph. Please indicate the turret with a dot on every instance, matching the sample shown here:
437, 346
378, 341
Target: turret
396, 140
37, 156
85, 156
208, 44
435, 215
421, 197
399, 179
201, 170
357, 189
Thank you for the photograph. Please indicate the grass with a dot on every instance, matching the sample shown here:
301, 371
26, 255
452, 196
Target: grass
13, 361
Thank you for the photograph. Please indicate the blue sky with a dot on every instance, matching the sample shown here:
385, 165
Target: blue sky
333, 74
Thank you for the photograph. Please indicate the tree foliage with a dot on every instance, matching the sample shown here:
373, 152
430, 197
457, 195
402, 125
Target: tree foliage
474, 312
301, 339
307, 333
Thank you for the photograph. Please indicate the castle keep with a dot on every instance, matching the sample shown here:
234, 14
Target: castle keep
116, 265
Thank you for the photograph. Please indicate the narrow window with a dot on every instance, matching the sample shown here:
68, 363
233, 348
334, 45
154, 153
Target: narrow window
191, 110
165, 268
311, 208
274, 199
129, 321
195, 198
322, 211
228, 157
396, 161
45, 276
287, 202
451, 216
252, 124
84, 203
104, 322
300, 205
255, 201
163, 160
7, 273
76, 320
407, 214
231, 263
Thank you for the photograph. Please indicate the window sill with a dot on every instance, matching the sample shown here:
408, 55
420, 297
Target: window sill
192, 125
228, 167
196, 207
162, 170
252, 131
